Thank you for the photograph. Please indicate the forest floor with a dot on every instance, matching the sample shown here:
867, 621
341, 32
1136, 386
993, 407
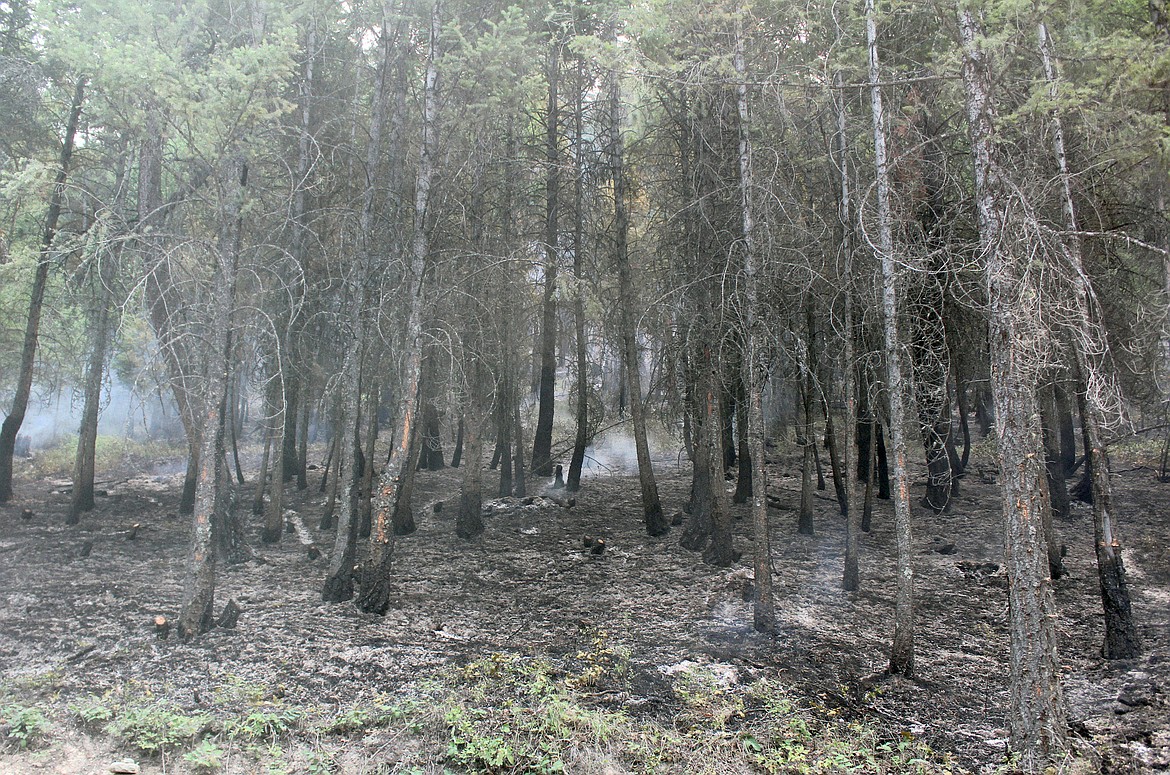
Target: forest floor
524, 652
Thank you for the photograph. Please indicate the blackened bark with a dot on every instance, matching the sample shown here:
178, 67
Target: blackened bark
964, 420
195, 616
303, 441
392, 503
457, 455
1066, 430
99, 335
1121, 638
581, 439
262, 477
804, 438
720, 550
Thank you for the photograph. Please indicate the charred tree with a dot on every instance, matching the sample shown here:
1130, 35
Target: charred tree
389, 500
542, 463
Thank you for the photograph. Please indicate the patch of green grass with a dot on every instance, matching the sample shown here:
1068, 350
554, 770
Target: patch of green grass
363, 716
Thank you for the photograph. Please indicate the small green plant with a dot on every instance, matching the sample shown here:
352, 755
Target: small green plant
267, 724
93, 711
371, 715
207, 757
26, 725
320, 763
157, 728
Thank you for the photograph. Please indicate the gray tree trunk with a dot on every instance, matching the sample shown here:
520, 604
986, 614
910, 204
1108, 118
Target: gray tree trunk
764, 608
1121, 637
195, 616
391, 501
1037, 715
902, 648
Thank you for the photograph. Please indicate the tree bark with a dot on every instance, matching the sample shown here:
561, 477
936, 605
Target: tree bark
764, 609
581, 439
851, 578
542, 463
99, 337
196, 615
1121, 638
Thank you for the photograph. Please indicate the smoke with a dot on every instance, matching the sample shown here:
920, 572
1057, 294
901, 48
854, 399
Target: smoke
55, 414
615, 453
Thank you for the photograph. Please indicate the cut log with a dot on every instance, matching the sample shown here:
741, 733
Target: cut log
133, 534
314, 552
26, 514
162, 627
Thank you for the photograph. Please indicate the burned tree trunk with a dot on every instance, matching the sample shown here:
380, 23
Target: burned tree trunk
389, 500
542, 463
1121, 638
1037, 717
655, 520
196, 615
764, 613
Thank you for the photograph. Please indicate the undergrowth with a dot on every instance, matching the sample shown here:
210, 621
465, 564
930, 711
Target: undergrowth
499, 715
110, 453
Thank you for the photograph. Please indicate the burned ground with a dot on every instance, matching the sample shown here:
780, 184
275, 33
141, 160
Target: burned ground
620, 626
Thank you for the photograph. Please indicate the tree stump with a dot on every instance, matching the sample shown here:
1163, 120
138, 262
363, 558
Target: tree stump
231, 614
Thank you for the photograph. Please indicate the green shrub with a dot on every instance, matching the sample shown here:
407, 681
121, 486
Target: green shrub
26, 725
206, 757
